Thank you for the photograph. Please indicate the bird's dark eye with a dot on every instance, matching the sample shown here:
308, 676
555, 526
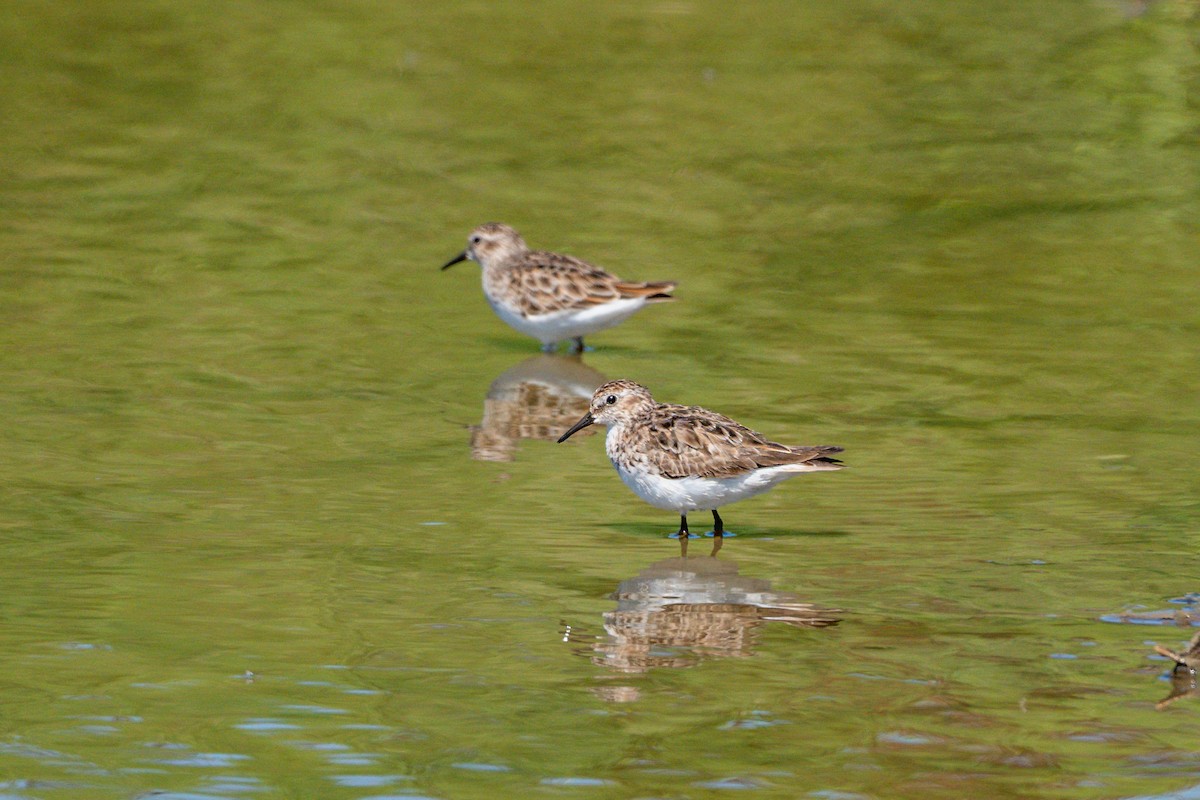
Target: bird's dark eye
612, 398
476, 239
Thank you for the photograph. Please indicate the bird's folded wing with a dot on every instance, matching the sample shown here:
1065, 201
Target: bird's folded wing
548, 282
691, 441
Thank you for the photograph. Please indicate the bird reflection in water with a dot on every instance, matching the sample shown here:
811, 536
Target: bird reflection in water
1183, 674
536, 399
681, 611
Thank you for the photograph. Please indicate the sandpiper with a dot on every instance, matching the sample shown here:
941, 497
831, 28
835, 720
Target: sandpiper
551, 296
687, 458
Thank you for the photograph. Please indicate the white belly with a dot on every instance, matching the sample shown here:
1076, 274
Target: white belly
684, 495
568, 324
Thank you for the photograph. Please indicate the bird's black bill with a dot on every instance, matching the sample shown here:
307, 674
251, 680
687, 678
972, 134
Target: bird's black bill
578, 426
460, 257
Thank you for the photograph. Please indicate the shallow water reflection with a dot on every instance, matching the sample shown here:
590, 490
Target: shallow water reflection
680, 611
958, 239
538, 398
1183, 684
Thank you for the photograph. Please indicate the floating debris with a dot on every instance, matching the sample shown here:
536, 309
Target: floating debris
1189, 658
1183, 674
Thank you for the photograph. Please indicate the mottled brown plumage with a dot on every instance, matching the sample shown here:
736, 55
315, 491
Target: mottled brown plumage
691, 440
552, 296
540, 282
687, 458
677, 441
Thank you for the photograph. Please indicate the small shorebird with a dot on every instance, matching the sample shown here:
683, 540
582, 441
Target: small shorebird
687, 458
551, 296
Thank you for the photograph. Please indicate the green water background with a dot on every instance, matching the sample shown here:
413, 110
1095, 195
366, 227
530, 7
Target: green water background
246, 550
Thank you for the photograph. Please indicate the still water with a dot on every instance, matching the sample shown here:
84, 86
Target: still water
282, 514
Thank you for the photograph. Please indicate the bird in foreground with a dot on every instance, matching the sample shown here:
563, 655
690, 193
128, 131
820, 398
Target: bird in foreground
687, 458
551, 296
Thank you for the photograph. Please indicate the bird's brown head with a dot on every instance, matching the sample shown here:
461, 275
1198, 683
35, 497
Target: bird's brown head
613, 403
492, 242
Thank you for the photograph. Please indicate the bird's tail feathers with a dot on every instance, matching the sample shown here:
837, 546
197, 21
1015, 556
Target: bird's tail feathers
654, 292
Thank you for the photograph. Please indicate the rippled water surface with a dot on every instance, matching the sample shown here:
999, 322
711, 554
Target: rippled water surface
282, 515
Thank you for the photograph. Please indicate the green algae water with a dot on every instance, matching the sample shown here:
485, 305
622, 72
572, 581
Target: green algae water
281, 511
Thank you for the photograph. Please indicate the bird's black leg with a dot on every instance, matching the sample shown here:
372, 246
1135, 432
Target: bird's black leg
577, 344
682, 533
